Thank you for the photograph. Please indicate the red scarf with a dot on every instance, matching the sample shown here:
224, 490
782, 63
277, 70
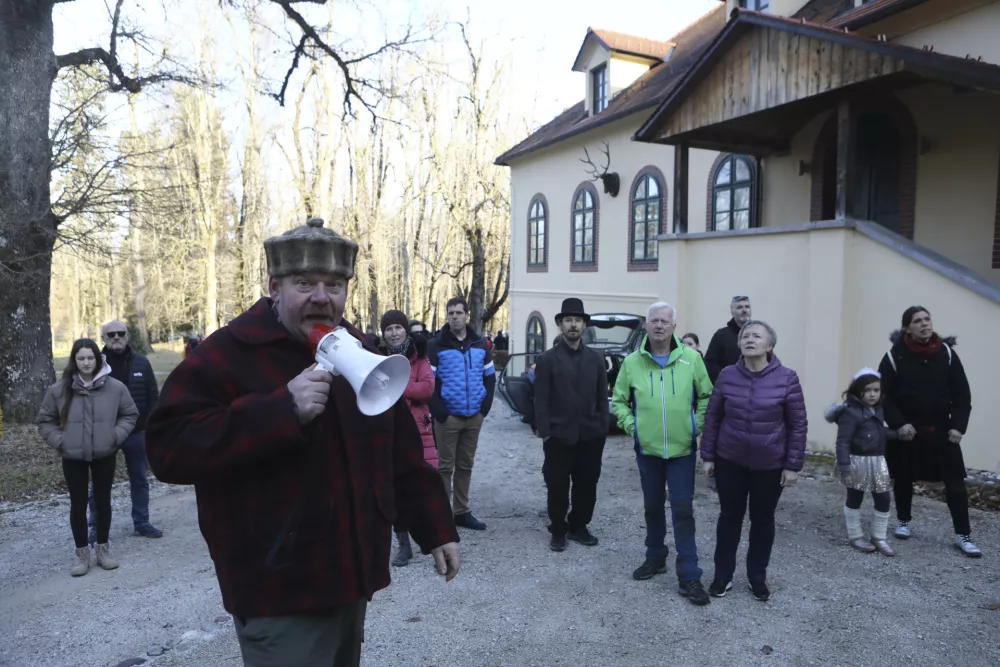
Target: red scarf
932, 346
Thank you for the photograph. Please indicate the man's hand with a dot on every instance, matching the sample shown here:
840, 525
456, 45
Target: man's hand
906, 432
708, 467
446, 560
954, 436
310, 390
789, 478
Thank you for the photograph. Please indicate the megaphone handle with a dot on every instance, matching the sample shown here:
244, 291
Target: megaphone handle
329, 369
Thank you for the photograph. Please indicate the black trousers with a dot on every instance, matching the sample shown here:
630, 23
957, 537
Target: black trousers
571, 470
77, 474
738, 485
955, 495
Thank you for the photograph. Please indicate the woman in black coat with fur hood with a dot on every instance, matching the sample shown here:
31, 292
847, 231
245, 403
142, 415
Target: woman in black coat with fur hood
928, 401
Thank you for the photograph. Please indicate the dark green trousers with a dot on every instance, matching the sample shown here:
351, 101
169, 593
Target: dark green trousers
313, 640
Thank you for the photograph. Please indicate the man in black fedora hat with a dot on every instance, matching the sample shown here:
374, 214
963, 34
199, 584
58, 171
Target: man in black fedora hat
571, 415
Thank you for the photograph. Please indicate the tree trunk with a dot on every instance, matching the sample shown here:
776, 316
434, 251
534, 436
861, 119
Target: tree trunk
211, 284
27, 225
75, 299
140, 291
477, 290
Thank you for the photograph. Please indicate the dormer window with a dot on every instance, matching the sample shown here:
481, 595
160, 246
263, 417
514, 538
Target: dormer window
599, 81
756, 5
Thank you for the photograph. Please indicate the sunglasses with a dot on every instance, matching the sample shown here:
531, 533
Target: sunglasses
116, 334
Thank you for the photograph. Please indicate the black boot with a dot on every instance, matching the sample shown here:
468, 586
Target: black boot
404, 553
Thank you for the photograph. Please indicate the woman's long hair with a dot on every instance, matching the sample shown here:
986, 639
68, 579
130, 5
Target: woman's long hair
71, 372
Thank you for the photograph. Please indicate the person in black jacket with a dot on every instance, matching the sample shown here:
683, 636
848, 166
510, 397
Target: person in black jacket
724, 349
928, 401
135, 372
571, 416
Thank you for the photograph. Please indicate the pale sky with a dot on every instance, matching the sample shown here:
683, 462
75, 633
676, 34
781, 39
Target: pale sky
546, 33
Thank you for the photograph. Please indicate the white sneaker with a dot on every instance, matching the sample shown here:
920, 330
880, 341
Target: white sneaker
966, 546
902, 530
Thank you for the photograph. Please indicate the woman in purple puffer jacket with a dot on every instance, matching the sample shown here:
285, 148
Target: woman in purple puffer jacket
753, 444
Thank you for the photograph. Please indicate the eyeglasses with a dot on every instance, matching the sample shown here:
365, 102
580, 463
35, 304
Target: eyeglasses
116, 334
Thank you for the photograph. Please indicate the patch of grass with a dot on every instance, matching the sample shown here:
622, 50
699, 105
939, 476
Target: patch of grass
30, 469
164, 359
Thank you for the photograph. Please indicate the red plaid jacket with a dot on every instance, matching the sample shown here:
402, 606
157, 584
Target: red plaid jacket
297, 518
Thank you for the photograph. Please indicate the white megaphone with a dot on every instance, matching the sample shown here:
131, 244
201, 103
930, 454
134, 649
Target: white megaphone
378, 381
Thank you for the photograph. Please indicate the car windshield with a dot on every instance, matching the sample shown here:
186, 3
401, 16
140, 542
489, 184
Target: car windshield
604, 333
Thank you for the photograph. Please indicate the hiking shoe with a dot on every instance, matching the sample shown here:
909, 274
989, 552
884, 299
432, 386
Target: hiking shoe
863, 545
902, 530
649, 569
583, 537
719, 589
147, 530
883, 547
760, 591
967, 547
82, 565
558, 543
468, 521
104, 558
694, 592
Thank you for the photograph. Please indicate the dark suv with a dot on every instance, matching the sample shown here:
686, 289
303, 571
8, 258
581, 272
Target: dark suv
615, 335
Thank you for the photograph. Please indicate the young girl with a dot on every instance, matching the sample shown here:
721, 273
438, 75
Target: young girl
861, 438
85, 417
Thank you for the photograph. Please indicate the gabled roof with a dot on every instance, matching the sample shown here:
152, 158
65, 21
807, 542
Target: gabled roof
630, 45
646, 92
924, 64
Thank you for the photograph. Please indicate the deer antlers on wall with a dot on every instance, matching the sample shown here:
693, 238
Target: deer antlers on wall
611, 181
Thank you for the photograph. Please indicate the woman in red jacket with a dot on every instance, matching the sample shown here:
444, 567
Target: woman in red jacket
419, 390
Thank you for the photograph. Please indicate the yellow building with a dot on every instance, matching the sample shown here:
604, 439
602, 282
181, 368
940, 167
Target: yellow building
835, 160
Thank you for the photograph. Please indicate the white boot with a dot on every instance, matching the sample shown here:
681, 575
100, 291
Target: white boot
82, 565
856, 536
880, 525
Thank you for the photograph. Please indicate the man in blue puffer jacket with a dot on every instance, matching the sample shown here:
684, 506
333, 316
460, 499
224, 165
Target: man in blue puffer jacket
463, 393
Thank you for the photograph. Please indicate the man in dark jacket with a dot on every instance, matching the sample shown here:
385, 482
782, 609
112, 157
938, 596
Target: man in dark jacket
724, 348
135, 372
463, 393
297, 489
571, 414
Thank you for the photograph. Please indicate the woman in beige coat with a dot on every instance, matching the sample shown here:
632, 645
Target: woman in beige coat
85, 417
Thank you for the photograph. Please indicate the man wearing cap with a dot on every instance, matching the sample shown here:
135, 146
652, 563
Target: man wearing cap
571, 416
297, 489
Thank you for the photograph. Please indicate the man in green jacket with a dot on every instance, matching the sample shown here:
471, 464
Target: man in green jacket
654, 401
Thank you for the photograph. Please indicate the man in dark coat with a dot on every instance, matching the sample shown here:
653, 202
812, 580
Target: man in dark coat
135, 372
571, 416
297, 489
724, 348
928, 400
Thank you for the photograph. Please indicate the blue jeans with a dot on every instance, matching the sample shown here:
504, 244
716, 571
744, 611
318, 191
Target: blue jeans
676, 476
134, 449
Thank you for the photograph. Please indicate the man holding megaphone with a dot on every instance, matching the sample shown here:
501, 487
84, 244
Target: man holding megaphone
291, 429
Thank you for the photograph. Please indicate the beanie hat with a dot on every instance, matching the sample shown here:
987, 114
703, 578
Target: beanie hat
394, 317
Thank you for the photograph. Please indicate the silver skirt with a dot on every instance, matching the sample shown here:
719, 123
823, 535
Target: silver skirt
868, 473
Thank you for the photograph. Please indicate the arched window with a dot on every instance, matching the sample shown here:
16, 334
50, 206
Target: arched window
733, 193
647, 217
585, 226
534, 343
538, 248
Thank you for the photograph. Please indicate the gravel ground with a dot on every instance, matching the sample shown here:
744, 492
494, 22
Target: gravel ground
517, 603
